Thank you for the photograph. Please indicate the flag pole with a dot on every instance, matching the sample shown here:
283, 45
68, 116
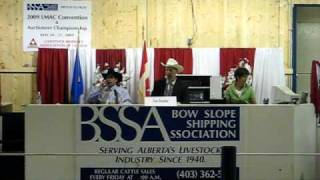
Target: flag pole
146, 36
77, 80
78, 38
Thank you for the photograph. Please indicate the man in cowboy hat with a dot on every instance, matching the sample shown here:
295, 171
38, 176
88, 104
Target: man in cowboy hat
109, 91
170, 85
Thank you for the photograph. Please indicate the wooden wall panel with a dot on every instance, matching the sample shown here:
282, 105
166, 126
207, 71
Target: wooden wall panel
305, 1
12, 55
114, 23
169, 23
246, 23
285, 32
15, 87
19, 89
126, 23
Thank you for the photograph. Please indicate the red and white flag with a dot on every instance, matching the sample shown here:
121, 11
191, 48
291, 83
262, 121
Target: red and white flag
144, 81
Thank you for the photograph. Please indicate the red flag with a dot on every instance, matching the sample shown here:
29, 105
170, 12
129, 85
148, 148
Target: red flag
315, 85
144, 82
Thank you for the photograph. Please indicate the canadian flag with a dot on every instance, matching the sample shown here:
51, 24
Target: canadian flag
144, 81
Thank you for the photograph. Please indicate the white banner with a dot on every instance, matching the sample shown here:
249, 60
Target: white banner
140, 142
55, 24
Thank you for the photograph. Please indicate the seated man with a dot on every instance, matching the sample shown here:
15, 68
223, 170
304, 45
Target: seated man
170, 85
110, 91
239, 92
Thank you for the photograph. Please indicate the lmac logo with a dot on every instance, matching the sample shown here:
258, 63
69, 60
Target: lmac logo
42, 7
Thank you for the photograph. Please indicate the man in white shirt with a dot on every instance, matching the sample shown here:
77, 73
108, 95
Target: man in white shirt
110, 91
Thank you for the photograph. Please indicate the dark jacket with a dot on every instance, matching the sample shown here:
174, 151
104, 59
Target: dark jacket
179, 90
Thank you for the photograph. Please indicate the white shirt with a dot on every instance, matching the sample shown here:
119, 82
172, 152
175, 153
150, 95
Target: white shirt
109, 95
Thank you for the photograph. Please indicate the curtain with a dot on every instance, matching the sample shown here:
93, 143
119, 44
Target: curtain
134, 59
206, 61
88, 66
182, 55
53, 68
229, 58
268, 71
110, 56
52, 75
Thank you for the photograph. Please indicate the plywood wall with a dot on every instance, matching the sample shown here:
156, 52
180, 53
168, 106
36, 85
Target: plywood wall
117, 23
163, 23
17, 88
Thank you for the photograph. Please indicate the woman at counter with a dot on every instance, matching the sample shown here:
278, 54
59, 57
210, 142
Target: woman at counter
239, 92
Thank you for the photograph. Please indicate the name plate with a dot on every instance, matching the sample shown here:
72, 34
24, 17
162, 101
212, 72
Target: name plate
160, 101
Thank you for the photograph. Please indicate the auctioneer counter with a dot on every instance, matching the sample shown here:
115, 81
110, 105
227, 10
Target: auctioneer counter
182, 142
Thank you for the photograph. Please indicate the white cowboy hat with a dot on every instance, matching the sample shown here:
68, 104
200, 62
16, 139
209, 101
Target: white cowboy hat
173, 64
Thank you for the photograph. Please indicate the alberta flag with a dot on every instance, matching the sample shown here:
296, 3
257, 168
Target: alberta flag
77, 81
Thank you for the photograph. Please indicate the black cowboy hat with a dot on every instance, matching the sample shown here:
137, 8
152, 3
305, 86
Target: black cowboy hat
112, 73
